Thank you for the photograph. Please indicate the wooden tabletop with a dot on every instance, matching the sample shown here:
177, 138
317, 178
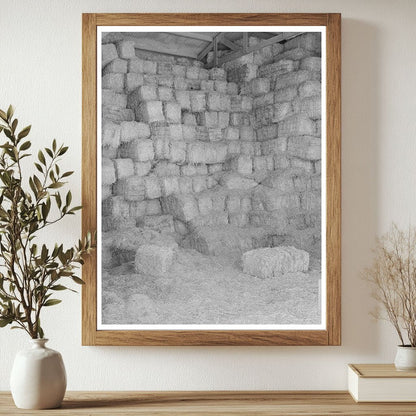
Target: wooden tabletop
212, 403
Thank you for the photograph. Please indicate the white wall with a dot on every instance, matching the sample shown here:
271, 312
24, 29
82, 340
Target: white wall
40, 73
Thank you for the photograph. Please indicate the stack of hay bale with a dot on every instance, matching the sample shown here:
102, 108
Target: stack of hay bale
190, 152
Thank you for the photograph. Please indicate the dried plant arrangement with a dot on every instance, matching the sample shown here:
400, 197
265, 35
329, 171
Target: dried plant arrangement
31, 272
393, 277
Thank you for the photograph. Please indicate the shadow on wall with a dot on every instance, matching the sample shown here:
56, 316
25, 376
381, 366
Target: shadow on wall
360, 176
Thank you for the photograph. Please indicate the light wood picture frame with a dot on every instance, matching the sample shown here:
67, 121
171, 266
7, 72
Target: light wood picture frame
329, 332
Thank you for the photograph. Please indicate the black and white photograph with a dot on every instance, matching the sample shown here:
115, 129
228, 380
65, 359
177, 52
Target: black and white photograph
211, 176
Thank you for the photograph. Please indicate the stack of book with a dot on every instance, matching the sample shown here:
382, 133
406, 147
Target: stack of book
381, 383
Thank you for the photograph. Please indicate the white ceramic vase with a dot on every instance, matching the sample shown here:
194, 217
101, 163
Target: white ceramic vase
405, 358
38, 378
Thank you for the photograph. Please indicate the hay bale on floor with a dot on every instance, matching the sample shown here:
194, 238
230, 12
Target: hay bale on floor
273, 262
154, 260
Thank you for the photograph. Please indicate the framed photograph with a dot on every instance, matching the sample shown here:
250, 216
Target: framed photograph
211, 172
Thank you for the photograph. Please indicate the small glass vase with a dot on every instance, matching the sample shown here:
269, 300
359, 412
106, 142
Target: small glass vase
38, 377
405, 358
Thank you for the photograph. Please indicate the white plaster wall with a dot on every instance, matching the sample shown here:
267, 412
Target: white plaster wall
40, 73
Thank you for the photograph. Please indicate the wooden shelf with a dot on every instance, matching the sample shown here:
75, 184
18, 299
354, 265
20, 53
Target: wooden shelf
212, 403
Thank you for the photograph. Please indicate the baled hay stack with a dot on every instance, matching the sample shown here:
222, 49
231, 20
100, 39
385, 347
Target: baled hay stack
111, 134
259, 86
183, 99
273, 199
305, 165
243, 164
180, 227
153, 207
198, 101
309, 88
154, 260
233, 180
108, 174
207, 153
142, 168
207, 85
281, 181
108, 53
267, 132
125, 49
215, 134
150, 111
232, 88
295, 78
189, 132
131, 130
213, 219
172, 112
274, 220
308, 41
183, 207
217, 74
312, 63
124, 168
137, 209
135, 64
152, 185
287, 94
133, 81
234, 147
132, 188
311, 201
305, 147
273, 262
232, 133
199, 183
106, 191
274, 146
282, 111
140, 150
161, 147
177, 151
115, 206
215, 168
161, 223
247, 133
239, 219
232, 203
220, 240
164, 168
309, 106
113, 82
169, 185
204, 204
297, 125
260, 164
165, 93
185, 185
208, 118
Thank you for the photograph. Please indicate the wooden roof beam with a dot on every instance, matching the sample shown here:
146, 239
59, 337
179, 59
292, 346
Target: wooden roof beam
237, 54
193, 35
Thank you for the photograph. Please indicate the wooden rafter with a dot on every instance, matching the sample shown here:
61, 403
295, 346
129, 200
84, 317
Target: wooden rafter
247, 49
193, 35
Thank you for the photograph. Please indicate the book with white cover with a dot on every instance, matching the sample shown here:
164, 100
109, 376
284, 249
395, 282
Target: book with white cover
381, 383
